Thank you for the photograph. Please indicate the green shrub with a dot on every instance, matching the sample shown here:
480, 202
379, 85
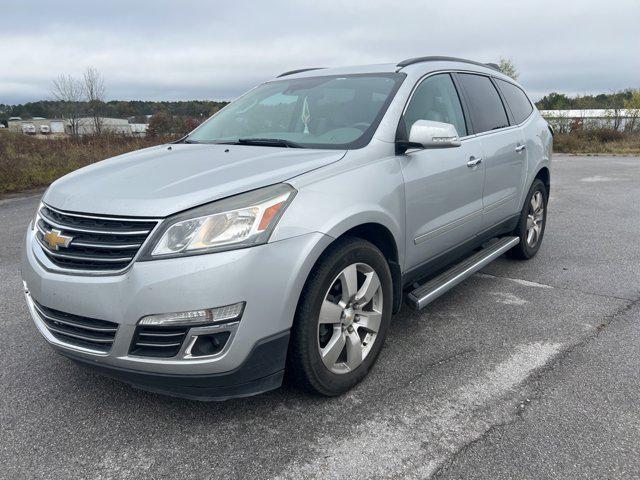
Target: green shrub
597, 141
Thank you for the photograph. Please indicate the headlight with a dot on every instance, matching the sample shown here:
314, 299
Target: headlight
241, 221
36, 217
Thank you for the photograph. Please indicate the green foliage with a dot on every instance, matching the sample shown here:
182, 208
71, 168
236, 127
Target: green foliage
508, 68
560, 101
162, 124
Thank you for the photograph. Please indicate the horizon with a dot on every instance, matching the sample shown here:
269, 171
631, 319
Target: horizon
218, 100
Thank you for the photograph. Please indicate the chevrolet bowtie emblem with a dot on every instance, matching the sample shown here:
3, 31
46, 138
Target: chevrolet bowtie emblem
56, 239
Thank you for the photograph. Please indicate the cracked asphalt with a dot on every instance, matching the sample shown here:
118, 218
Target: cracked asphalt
525, 370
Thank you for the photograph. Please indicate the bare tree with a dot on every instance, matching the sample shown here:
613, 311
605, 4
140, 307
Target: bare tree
69, 91
94, 94
508, 68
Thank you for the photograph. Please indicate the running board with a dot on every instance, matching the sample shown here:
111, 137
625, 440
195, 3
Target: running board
427, 293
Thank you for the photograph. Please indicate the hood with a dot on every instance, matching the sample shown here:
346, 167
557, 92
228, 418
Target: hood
158, 181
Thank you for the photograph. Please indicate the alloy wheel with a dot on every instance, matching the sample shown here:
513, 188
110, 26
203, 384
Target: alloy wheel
350, 318
535, 219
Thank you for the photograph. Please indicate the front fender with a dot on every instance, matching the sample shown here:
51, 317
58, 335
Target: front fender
332, 205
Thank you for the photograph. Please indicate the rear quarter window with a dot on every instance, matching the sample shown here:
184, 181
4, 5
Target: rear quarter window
517, 101
487, 110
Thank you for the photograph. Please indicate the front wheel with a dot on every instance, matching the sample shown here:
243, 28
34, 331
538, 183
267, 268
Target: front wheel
532, 222
342, 318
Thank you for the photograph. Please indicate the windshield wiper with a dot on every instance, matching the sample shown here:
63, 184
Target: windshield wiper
269, 142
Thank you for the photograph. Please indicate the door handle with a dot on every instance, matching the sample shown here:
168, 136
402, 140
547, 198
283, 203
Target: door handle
473, 161
520, 148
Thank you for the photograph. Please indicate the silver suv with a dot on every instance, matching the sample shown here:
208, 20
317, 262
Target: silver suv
282, 234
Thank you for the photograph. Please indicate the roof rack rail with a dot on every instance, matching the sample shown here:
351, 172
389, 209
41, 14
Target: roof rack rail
300, 70
411, 61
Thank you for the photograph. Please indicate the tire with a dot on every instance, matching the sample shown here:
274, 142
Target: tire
314, 345
527, 249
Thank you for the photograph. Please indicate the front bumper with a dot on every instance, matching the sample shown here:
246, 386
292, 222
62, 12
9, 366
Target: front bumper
262, 371
269, 278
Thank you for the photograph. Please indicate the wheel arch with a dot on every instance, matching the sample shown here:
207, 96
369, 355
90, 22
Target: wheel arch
382, 237
545, 175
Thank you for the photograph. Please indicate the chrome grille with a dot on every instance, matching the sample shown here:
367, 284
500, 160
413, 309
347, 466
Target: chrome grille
99, 243
158, 341
76, 330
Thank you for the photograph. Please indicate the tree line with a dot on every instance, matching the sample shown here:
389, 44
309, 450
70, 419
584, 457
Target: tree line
205, 108
115, 109
559, 101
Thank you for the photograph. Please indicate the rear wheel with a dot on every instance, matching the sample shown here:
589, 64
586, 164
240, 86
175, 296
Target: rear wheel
342, 318
532, 222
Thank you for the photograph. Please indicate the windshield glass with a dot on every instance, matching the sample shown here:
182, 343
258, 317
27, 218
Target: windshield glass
315, 112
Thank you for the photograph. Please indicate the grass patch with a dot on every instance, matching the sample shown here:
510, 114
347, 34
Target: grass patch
28, 162
603, 141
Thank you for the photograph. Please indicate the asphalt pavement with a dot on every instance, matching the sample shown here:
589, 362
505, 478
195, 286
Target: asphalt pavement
525, 370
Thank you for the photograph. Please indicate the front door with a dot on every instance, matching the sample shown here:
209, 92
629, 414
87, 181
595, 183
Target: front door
443, 187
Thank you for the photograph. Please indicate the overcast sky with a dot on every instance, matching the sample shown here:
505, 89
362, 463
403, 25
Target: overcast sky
178, 50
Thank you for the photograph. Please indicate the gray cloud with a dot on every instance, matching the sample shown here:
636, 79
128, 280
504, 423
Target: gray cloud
184, 50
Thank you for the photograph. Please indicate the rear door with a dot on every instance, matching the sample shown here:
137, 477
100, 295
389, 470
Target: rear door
443, 189
503, 149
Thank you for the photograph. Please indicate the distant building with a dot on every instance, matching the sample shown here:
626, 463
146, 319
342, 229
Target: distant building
87, 126
35, 125
567, 120
57, 126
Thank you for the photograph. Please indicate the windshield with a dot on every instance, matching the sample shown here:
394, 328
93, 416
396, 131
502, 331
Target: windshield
315, 112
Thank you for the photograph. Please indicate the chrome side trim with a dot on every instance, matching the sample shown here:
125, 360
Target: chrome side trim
434, 288
499, 203
446, 228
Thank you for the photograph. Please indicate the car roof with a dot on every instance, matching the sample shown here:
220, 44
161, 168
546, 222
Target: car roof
411, 66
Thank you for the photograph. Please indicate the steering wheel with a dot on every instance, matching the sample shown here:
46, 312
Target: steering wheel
360, 126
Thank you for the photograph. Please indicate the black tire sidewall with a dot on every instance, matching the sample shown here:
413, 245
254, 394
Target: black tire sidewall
347, 252
523, 250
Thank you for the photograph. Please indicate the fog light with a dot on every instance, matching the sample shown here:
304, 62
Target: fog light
209, 344
196, 317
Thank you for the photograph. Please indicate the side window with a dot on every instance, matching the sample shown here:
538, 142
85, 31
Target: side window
487, 110
436, 99
516, 99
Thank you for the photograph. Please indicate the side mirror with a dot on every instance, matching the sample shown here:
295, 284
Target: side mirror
430, 134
